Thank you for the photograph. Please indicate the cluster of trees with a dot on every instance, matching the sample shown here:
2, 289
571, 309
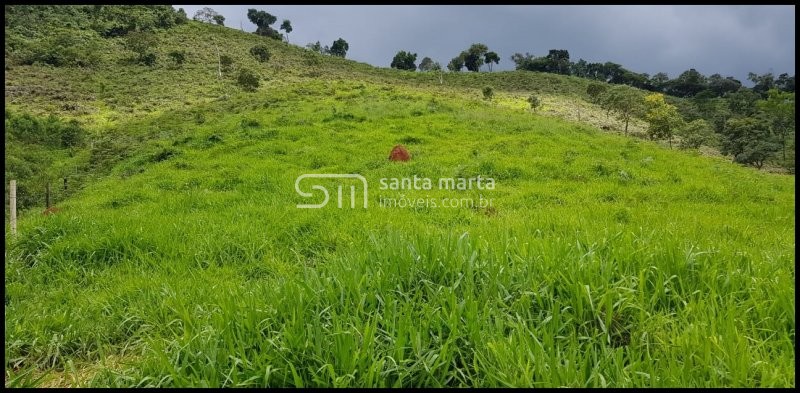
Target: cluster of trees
473, 58
264, 21
406, 61
752, 130
690, 83
75, 34
339, 48
208, 15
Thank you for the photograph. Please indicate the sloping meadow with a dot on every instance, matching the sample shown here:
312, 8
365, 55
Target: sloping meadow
601, 261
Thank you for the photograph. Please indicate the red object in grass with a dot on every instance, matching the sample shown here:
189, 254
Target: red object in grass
50, 210
399, 153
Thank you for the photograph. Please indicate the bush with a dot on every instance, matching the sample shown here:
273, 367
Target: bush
261, 53
595, 90
488, 93
178, 56
226, 62
247, 80
144, 45
534, 101
63, 48
148, 59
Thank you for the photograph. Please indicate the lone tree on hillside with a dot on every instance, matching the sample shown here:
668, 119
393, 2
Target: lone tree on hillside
287, 27
263, 20
404, 61
339, 48
625, 102
663, 118
491, 57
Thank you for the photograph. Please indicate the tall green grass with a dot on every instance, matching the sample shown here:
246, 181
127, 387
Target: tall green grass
606, 261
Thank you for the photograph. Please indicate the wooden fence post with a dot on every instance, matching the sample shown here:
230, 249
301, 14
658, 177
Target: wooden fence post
12, 202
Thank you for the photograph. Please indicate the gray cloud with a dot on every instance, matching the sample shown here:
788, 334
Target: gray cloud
730, 40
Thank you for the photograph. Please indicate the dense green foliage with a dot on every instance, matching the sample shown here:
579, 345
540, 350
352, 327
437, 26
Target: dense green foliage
405, 61
261, 53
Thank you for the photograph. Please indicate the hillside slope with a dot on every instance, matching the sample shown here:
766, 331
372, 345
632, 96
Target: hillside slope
182, 259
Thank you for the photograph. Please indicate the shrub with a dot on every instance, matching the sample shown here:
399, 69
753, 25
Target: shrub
261, 53
488, 93
178, 56
247, 80
534, 101
226, 62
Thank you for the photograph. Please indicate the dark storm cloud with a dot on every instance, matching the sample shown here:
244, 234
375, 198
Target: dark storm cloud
730, 40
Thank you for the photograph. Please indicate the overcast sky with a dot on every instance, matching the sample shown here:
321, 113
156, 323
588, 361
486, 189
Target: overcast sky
730, 40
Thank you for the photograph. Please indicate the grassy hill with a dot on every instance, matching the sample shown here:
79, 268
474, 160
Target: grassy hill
180, 258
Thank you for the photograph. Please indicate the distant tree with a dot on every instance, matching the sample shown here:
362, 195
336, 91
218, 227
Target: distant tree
663, 118
579, 69
436, 66
529, 62
762, 83
219, 19
779, 110
659, 81
404, 61
426, 64
474, 56
286, 26
534, 101
208, 15
315, 47
721, 86
456, 64
263, 21
488, 93
749, 141
785, 83
687, 84
260, 52
742, 103
180, 16
339, 48
558, 61
178, 57
144, 45
491, 57
247, 79
625, 102
595, 91
695, 134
